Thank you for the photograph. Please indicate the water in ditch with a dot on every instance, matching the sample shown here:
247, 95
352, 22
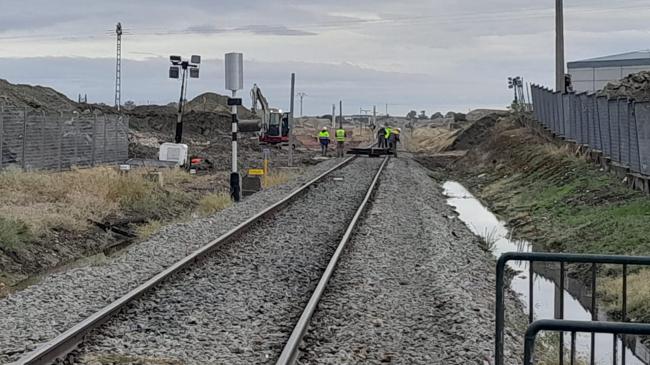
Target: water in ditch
485, 224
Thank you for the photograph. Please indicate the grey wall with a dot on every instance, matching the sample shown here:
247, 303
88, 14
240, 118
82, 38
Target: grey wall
592, 79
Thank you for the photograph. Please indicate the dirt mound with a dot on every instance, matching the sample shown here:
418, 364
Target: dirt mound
214, 103
36, 97
475, 134
635, 86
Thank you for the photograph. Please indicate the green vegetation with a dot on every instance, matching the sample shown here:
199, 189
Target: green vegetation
553, 196
13, 234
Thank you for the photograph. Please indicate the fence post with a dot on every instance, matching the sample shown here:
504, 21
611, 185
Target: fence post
24, 137
92, 158
104, 154
60, 125
115, 141
75, 135
42, 146
2, 136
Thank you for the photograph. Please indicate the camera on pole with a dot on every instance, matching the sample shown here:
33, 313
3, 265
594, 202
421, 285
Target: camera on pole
174, 73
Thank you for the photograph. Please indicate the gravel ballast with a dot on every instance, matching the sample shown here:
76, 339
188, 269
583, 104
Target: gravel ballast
412, 287
239, 305
43, 311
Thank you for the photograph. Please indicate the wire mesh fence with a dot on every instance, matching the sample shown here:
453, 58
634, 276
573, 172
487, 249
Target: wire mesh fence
618, 128
32, 139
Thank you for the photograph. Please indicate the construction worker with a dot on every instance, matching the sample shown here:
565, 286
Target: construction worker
324, 138
340, 142
393, 139
381, 140
387, 135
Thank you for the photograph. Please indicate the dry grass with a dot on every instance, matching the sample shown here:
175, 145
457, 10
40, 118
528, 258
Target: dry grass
39, 203
149, 229
638, 295
213, 203
275, 178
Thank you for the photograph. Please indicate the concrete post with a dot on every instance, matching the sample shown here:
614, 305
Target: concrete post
559, 46
291, 136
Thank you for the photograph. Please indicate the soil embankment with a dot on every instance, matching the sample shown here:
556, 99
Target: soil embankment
551, 195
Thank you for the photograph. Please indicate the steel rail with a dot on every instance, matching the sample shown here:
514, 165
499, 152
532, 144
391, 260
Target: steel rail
291, 348
62, 345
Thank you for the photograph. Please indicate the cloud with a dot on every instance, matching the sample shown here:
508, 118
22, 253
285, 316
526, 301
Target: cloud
274, 30
430, 54
278, 30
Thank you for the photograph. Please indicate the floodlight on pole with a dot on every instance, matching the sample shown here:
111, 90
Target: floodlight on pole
234, 81
174, 73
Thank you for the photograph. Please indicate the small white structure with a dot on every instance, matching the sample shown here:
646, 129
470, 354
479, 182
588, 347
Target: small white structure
593, 74
173, 152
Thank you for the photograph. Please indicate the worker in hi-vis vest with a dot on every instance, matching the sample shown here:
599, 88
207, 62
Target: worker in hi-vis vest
388, 132
324, 138
340, 142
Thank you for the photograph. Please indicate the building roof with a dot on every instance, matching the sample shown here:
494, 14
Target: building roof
636, 58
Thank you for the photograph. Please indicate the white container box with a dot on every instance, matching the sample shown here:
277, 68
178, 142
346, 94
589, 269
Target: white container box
173, 152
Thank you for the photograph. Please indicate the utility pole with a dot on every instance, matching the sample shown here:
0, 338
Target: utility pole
387, 109
341, 114
374, 115
333, 116
559, 46
118, 68
291, 137
301, 95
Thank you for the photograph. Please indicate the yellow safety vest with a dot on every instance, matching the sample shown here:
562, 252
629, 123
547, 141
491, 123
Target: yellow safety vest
324, 134
340, 135
388, 130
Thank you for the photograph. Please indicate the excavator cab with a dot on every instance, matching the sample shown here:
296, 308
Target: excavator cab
277, 128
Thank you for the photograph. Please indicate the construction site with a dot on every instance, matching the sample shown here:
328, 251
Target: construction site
321, 207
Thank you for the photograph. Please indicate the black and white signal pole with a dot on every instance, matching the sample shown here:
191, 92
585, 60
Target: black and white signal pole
234, 82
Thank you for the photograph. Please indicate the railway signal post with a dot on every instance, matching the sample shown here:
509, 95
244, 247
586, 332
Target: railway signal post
234, 81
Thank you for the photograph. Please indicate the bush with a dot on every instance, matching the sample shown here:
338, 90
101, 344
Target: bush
13, 234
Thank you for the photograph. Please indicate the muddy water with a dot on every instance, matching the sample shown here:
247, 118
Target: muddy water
486, 225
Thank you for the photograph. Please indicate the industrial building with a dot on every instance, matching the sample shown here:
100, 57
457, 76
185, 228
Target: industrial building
594, 73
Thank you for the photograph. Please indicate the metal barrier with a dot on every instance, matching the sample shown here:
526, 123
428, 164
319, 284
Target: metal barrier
34, 139
615, 328
562, 259
618, 128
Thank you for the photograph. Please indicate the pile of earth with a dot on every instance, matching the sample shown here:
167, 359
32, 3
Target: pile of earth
475, 134
634, 86
35, 97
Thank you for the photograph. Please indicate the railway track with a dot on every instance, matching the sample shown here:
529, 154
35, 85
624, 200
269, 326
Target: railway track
245, 296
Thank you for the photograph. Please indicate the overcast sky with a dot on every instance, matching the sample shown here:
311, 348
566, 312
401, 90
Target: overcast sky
436, 55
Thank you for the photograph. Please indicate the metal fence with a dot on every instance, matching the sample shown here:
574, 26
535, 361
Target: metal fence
32, 139
564, 259
619, 128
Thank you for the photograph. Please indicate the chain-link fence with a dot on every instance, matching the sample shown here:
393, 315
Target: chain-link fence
32, 139
619, 128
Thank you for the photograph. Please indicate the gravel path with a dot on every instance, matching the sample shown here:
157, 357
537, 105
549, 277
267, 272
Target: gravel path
239, 305
43, 311
412, 287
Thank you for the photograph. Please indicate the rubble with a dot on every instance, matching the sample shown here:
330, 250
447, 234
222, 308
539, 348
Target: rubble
634, 86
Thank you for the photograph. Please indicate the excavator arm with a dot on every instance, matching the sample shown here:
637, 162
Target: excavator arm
258, 98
